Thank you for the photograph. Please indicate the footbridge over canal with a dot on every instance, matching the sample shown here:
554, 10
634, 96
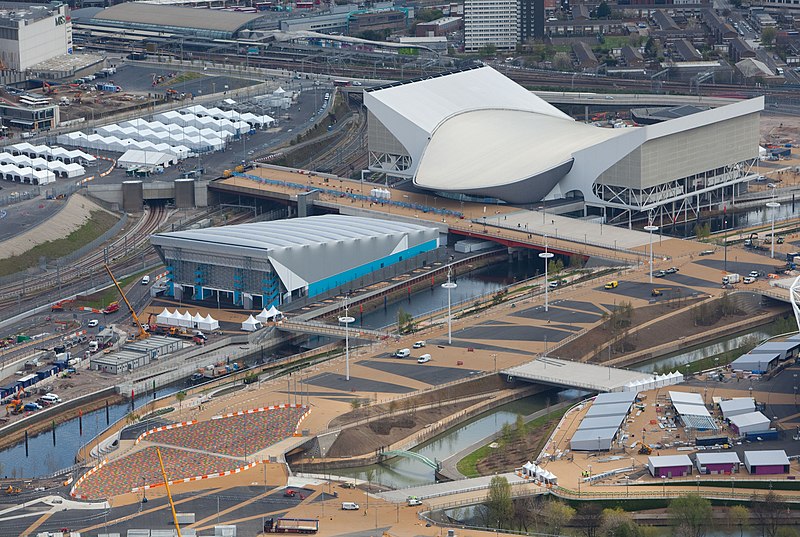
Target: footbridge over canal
578, 375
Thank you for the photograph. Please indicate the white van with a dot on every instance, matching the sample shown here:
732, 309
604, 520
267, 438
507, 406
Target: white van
349, 506
424, 359
145, 280
51, 398
403, 353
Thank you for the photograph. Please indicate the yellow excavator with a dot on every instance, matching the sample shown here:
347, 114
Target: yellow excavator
644, 449
142, 332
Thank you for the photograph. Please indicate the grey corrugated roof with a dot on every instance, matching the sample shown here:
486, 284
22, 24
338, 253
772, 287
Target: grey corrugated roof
754, 362
614, 397
717, 458
614, 409
773, 346
664, 461
280, 234
772, 457
182, 17
601, 422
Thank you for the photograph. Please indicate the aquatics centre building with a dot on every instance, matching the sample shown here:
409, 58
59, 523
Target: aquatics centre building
476, 133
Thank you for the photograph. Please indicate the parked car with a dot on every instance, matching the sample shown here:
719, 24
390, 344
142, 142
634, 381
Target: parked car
659, 273
672, 270
418, 344
92, 323
754, 274
350, 506
425, 358
749, 279
612, 284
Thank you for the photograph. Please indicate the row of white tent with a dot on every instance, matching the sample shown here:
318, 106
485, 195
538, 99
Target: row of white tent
532, 471
51, 153
112, 143
201, 138
10, 172
56, 166
254, 120
187, 320
267, 314
228, 129
174, 117
656, 381
251, 324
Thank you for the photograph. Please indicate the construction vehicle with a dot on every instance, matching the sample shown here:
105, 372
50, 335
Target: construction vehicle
658, 291
753, 241
644, 449
142, 333
12, 490
291, 525
111, 308
60, 305
169, 494
14, 407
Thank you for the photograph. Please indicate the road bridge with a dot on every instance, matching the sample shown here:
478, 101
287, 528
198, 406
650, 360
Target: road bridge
316, 328
566, 374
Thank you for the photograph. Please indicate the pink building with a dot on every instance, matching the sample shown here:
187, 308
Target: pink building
766, 462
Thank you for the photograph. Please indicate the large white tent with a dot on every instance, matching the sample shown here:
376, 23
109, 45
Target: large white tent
251, 324
208, 323
27, 175
135, 158
253, 120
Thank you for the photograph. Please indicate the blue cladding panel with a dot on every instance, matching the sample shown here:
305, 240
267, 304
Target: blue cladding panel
343, 278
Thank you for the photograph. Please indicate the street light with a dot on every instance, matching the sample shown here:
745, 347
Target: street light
773, 205
651, 229
449, 286
546, 256
346, 319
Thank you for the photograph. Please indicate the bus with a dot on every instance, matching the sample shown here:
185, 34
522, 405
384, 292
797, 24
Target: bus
341, 83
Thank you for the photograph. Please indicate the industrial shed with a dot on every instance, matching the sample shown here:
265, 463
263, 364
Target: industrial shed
692, 411
717, 463
766, 462
756, 363
267, 264
669, 466
134, 158
750, 423
615, 398
734, 407
604, 422
786, 349
593, 439
613, 409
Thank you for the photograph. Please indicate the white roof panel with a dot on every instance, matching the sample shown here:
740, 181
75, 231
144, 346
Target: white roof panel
688, 398
664, 461
770, 457
717, 458
751, 418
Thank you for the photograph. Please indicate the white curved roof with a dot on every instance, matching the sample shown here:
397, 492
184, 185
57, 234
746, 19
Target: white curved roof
512, 145
282, 234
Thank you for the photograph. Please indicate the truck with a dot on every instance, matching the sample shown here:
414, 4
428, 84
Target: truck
291, 525
109, 88
730, 279
111, 308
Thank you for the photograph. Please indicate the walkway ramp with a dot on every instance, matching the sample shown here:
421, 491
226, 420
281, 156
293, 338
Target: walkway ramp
563, 373
475, 484
329, 330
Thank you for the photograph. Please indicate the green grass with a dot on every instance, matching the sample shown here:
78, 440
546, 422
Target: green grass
183, 77
611, 42
468, 465
98, 223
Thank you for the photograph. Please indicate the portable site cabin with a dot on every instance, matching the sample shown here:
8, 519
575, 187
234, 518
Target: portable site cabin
766, 462
669, 466
717, 463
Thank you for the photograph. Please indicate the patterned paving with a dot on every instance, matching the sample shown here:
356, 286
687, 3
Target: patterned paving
142, 468
236, 436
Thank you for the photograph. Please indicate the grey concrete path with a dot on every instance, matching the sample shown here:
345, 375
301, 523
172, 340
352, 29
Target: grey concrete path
449, 465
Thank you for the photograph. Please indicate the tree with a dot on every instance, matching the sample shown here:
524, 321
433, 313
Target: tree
405, 322
499, 505
603, 11
617, 523
428, 15
588, 519
488, 50
557, 515
506, 434
767, 512
739, 517
690, 515
768, 35
180, 396
519, 428
554, 266
787, 531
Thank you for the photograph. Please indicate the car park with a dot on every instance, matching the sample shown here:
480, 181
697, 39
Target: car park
424, 359
749, 279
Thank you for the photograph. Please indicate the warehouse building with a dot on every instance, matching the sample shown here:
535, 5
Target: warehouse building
766, 462
33, 34
265, 264
756, 363
475, 133
601, 423
735, 407
717, 463
669, 466
692, 411
750, 423
787, 350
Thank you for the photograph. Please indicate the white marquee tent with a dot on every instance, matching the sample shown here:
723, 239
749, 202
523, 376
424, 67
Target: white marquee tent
251, 324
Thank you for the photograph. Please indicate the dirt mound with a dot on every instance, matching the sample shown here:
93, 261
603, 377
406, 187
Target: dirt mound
368, 438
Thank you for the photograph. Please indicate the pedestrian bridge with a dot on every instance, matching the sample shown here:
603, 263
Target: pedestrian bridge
563, 373
329, 330
410, 455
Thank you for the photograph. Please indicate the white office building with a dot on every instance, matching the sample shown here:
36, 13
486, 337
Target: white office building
33, 34
491, 22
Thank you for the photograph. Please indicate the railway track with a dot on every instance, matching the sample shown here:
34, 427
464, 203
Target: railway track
118, 252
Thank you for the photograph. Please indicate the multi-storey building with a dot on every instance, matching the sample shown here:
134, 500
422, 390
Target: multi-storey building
491, 23
33, 34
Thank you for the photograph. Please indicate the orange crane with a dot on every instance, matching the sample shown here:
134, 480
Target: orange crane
169, 494
142, 332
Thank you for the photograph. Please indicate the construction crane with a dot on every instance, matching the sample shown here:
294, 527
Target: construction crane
169, 494
142, 332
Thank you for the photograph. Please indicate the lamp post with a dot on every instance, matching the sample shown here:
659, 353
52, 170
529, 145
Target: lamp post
546, 256
346, 319
449, 286
651, 228
773, 205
